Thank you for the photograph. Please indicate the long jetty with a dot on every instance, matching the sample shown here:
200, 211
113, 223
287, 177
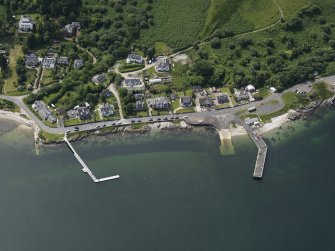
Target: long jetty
261, 155
85, 167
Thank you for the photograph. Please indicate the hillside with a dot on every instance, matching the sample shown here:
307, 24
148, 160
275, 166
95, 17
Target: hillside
287, 53
176, 22
179, 23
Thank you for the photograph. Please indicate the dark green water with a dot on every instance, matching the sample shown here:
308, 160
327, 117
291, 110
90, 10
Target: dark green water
174, 194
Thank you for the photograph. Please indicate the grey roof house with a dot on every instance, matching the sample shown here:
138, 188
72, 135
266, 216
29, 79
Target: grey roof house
63, 60
132, 82
107, 110
72, 114
41, 108
31, 61
78, 63
222, 99
71, 29
186, 101
134, 58
139, 105
163, 65
84, 113
197, 88
242, 95
206, 101
138, 96
98, 79
49, 62
159, 103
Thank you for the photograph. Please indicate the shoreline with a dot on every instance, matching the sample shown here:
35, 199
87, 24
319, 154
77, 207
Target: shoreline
22, 122
25, 123
275, 123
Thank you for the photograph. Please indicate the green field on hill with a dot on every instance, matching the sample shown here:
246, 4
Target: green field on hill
176, 22
179, 23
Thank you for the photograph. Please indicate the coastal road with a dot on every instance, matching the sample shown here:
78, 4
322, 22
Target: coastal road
221, 115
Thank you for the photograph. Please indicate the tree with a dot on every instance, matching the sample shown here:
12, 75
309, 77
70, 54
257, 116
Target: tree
123, 92
129, 108
332, 44
216, 43
204, 68
3, 63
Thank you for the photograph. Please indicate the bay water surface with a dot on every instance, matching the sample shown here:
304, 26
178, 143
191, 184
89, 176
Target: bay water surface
175, 193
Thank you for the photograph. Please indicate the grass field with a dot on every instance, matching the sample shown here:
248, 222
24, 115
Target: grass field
176, 22
11, 82
289, 6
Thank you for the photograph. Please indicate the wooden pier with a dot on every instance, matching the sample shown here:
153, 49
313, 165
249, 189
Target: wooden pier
85, 167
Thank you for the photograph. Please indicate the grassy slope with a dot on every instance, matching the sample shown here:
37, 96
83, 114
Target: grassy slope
177, 22
240, 15
289, 6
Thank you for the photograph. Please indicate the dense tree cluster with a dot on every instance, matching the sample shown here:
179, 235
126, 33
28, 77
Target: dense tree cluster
114, 26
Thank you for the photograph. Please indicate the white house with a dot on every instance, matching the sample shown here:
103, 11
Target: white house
250, 88
273, 90
26, 24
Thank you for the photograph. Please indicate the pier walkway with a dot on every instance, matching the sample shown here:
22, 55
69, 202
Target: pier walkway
262, 152
85, 167
221, 123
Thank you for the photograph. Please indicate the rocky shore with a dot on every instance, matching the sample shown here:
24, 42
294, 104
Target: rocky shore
132, 131
306, 112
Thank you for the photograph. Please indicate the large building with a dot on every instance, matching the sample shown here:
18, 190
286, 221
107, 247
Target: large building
26, 24
107, 110
134, 58
49, 62
41, 108
163, 64
159, 103
71, 29
133, 84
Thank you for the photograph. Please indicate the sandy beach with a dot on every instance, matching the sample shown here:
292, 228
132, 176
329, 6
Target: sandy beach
274, 124
22, 122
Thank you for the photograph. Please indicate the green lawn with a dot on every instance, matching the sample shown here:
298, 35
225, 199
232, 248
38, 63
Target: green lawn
162, 48
159, 112
175, 104
11, 83
130, 67
322, 91
179, 76
47, 77
49, 137
222, 106
142, 114
186, 110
